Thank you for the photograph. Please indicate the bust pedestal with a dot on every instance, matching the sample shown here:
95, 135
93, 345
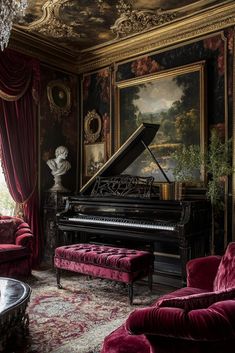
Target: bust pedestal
53, 204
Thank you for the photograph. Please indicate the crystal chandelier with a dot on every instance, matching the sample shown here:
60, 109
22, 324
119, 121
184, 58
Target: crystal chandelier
9, 10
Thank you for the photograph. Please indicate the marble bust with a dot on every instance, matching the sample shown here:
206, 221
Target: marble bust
59, 166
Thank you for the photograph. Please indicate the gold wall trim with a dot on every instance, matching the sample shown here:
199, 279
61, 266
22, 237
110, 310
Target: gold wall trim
45, 51
171, 34
163, 37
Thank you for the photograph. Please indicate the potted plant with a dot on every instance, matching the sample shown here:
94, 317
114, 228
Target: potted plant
218, 167
187, 165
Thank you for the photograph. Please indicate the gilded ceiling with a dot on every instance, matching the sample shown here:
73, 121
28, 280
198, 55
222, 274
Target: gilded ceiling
79, 25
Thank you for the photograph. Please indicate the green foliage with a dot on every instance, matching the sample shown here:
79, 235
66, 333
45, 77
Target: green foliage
7, 204
188, 127
188, 161
218, 165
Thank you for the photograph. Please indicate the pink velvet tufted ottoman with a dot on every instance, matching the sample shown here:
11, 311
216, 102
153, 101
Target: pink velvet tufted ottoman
118, 264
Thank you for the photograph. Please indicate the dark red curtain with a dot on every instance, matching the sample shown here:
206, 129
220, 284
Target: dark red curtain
19, 82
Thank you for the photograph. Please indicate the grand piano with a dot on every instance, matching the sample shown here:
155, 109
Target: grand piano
126, 210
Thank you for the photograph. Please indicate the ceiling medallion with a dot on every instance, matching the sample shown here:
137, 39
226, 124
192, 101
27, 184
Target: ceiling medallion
135, 21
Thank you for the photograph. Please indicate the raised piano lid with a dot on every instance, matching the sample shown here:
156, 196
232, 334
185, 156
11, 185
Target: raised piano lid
125, 155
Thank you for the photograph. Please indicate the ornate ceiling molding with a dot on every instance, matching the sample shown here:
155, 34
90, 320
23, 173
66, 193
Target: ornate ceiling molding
57, 21
167, 35
50, 23
136, 21
55, 28
158, 39
47, 52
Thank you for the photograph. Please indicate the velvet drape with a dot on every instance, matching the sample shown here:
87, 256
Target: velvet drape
19, 88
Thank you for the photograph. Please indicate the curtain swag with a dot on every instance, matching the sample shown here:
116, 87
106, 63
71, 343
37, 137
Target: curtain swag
19, 92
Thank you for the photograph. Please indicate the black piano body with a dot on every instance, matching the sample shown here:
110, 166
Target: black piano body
176, 231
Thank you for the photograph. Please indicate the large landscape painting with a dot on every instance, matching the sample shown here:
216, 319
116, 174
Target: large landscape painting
174, 99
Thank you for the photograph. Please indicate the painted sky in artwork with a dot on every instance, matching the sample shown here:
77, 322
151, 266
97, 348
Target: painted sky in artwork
154, 98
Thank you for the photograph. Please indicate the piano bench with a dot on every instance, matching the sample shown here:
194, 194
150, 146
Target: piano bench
118, 264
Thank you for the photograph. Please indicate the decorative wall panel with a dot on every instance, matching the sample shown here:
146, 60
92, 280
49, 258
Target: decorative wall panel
96, 124
58, 127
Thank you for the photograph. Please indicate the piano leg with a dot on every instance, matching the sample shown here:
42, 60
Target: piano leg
185, 256
130, 292
150, 278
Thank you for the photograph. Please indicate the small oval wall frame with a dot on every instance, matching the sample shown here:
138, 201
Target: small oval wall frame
59, 96
92, 126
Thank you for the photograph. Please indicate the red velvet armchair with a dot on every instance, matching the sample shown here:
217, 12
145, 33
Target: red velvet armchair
199, 318
16, 242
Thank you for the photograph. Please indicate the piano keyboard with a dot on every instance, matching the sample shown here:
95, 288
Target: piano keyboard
122, 222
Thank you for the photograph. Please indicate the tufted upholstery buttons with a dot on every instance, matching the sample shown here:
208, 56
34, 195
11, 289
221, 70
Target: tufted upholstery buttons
106, 256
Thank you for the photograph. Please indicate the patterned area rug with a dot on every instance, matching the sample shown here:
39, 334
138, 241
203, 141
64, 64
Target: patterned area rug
77, 318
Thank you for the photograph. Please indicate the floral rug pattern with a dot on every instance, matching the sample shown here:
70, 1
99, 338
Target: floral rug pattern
76, 319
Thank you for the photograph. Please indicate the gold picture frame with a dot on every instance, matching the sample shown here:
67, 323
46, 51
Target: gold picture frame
59, 96
92, 126
156, 98
94, 158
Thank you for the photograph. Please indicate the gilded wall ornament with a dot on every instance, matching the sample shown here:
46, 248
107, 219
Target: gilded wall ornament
135, 21
50, 24
55, 28
59, 97
92, 126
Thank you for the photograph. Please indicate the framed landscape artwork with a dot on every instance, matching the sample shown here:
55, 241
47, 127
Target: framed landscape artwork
174, 99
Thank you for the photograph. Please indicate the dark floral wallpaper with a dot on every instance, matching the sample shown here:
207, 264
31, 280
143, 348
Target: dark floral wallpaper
96, 96
56, 130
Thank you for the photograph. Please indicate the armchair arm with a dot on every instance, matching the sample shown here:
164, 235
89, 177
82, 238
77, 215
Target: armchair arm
24, 236
201, 272
212, 324
25, 240
197, 301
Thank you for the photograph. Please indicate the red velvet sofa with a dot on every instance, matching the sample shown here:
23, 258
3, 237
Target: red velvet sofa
16, 241
199, 318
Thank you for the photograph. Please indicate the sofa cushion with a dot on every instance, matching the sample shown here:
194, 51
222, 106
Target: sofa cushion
212, 324
7, 231
181, 292
197, 301
225, 277
11, 252
201, 272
